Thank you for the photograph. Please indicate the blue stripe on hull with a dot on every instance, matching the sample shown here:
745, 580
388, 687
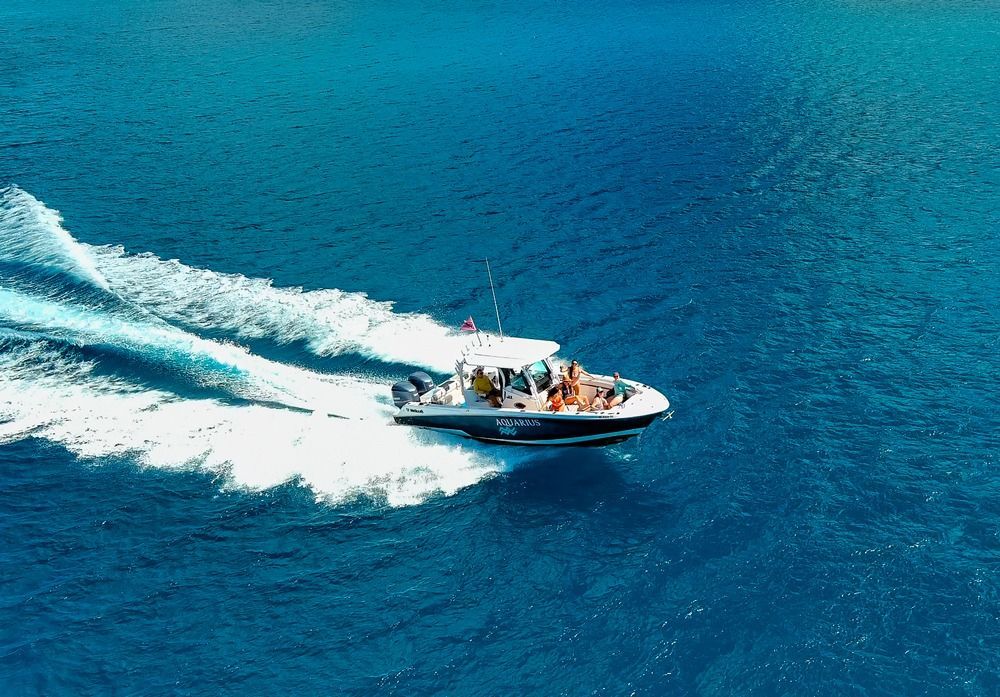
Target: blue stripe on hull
535, 428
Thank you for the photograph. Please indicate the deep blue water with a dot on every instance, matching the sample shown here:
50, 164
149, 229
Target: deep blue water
784, 214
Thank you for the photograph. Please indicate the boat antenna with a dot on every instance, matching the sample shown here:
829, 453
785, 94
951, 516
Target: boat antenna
493, 290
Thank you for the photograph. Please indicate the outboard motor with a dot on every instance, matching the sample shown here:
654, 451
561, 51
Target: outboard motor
422, 381
404, 392
419, 384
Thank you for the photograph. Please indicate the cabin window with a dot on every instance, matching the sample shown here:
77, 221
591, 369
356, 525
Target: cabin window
520, 383
539, 374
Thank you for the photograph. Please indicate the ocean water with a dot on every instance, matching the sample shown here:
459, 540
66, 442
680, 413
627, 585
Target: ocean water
226, 228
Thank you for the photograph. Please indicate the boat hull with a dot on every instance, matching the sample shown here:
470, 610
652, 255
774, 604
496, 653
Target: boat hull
523, 428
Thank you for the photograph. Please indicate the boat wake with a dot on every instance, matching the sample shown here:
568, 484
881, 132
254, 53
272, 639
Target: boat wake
329, 322
100, 353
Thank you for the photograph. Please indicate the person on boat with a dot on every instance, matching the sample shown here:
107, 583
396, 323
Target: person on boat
575, 372
571, 396
599, 403
485, 388
555, 402
617, 391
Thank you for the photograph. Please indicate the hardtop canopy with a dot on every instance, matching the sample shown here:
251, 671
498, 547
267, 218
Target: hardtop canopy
509, 352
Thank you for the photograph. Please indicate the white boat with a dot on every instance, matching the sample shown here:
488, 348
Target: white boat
523, 371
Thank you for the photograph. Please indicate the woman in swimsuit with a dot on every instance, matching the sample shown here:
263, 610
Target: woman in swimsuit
570, 396
555, 402
599, 403
574, 373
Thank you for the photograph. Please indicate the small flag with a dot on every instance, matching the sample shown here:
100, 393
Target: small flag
469, 326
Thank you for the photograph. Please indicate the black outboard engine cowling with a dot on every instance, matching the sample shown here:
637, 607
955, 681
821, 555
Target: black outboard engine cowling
404, 392
422, 381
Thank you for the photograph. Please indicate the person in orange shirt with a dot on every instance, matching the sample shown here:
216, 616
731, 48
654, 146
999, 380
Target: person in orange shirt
555, 402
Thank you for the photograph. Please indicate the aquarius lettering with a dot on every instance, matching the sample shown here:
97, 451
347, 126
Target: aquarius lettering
518, 422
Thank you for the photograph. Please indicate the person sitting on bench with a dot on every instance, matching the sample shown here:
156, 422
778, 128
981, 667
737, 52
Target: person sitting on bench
617, 392
485, 388
599, 403
569, 393
555, 402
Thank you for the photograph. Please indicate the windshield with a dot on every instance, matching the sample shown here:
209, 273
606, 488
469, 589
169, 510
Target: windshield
539, 374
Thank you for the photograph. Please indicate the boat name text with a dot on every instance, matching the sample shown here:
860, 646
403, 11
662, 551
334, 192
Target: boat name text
518, 422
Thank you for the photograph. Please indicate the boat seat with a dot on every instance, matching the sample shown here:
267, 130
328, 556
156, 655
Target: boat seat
473, 399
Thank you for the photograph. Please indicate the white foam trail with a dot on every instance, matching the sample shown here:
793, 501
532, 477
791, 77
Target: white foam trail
31, 233
46, 395
329, 322
207, 362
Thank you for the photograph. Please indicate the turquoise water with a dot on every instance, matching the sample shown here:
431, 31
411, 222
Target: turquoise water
223, 225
